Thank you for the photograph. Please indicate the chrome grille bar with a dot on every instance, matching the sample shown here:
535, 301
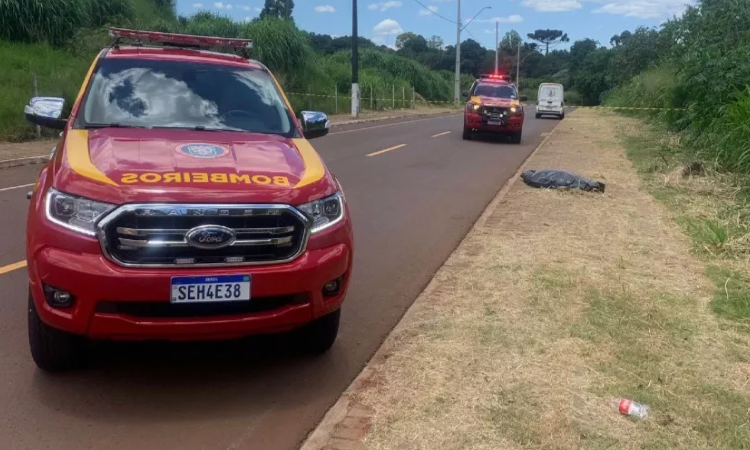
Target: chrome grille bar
136, 243
162, 231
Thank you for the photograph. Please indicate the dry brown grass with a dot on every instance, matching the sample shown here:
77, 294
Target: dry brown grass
556, 302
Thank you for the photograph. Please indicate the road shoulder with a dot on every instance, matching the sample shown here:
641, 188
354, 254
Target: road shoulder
554, 304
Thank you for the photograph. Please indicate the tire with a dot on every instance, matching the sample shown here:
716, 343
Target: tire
515, 138
467, 134
562, 116
319, 335
54, 350
538, 116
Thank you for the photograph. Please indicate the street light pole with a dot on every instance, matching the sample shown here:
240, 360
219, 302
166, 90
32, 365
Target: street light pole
497, 28
518, 65
457, 87
355, 62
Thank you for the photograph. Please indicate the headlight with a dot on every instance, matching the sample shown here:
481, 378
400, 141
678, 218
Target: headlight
75, 213
325, 212
515, 109
475, 106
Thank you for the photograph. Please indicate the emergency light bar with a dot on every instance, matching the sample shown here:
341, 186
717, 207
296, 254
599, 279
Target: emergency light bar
493, 76
179, 40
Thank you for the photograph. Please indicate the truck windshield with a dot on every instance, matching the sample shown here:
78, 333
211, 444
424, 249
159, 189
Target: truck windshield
173, 94
495, 91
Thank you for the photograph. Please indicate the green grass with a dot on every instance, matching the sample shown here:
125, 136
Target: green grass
58, 73
713, 210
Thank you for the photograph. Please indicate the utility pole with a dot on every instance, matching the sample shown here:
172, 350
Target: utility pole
518, 66
497, 51
355, 62
457, 87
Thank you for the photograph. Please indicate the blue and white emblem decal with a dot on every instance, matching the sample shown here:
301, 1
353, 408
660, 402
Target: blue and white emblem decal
203, 150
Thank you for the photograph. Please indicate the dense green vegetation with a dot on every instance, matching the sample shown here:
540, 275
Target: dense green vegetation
698, 62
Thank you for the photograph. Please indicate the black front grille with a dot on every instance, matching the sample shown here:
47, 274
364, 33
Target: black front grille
166, 310
495, 113
151, 236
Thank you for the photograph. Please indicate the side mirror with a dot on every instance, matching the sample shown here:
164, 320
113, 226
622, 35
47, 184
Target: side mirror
46, 112
314, 124
524, 98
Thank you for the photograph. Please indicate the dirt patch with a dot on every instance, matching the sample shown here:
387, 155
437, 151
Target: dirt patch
26, 149
554, 304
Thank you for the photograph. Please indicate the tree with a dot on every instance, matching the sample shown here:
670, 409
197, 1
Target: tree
281, 9
548, 37
620, 39
435, 42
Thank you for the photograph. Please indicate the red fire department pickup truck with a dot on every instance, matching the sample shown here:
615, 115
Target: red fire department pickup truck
494, 107
183, 202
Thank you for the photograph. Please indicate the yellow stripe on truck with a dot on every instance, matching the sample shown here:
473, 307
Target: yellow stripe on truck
314, 169
79, 159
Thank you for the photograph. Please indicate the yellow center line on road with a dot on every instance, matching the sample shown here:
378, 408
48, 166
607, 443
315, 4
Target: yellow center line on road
12, 267
442, 134
389, 149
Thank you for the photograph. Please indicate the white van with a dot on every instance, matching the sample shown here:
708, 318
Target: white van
550, 100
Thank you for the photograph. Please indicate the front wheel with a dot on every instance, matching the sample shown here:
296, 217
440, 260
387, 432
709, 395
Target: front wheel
538, 116
53, 350
319, 335
562, 116
467, 134
516, 137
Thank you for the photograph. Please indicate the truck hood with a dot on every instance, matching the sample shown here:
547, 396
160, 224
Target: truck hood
199, 166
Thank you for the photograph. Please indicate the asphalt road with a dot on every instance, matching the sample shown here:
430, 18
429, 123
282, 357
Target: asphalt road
411, 206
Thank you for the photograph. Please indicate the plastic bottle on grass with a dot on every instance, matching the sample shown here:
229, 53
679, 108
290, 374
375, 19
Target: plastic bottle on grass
627, 407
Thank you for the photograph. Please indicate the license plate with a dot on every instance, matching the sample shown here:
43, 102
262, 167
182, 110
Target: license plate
229, 288
495, 122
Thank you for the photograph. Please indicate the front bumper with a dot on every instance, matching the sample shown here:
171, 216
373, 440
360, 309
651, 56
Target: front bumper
118, 303
475, 122
549, 110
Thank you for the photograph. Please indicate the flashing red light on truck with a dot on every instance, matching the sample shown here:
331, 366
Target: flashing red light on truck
179, 40
496, 76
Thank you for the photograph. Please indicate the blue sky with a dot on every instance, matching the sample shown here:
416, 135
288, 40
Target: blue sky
382, 20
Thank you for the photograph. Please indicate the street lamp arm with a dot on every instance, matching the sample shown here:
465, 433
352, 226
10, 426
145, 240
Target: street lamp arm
475, 16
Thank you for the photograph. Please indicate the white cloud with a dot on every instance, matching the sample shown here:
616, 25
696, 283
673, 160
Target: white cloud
258, 9
197, 5
384, 6
325, 9
388, 26
246, 8
430, 11
219, 5
515, 18
552, 5
229, 6
643, 9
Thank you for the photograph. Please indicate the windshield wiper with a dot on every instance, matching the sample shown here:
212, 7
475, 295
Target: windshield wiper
110, 125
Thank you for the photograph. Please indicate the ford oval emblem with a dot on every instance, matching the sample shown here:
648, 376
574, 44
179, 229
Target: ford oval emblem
210, 237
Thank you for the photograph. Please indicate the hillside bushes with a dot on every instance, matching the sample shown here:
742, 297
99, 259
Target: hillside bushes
705, 70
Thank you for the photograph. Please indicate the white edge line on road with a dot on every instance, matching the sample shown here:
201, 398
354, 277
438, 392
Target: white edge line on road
442, 134
395, 123
16, 187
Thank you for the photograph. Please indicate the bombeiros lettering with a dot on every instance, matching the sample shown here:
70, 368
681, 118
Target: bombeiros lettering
203, 177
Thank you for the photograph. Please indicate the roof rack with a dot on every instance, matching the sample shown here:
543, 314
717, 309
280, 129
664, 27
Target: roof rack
178, 40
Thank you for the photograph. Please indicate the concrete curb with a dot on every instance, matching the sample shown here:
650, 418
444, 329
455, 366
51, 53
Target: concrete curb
335, 429
8, 163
